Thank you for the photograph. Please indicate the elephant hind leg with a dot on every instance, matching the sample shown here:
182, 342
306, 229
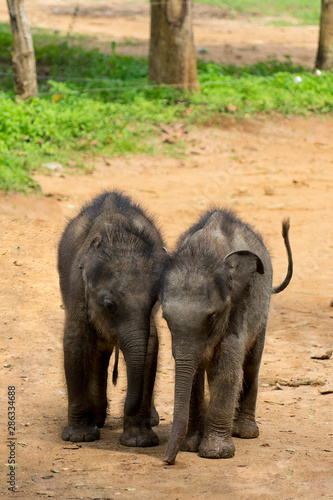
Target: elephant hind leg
245, 427
99, 389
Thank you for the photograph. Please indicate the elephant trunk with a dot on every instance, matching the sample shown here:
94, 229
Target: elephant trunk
185, 371
133, 343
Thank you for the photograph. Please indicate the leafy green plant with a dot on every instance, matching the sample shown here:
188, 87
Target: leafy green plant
94, 103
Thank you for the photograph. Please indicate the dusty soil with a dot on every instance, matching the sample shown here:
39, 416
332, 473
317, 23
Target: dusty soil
265, 170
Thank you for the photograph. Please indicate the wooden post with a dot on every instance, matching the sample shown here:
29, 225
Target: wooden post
325, 46
23, 55
172, 58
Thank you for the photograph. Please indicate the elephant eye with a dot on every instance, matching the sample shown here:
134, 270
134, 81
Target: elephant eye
211, 319
110, 305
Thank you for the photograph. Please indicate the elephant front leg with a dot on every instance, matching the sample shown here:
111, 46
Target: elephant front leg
137, 429
245, 425
79, 355
195, 424
224, 379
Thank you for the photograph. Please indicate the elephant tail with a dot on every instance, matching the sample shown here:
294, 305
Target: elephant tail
286, 281
115, 367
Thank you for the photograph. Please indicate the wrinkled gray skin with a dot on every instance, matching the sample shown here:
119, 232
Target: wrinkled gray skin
215, 293
109, 266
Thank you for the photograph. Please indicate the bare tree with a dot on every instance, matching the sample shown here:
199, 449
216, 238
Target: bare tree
325, 47
23, 56
172, 58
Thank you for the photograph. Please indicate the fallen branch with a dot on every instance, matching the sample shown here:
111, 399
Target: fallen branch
292, 383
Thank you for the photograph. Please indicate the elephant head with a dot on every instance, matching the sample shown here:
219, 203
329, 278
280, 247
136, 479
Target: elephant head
120, 273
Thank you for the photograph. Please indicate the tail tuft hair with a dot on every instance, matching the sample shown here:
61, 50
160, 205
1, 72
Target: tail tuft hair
285, 235
115, 367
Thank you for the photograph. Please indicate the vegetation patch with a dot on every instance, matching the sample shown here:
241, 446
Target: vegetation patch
91, 103
303, 12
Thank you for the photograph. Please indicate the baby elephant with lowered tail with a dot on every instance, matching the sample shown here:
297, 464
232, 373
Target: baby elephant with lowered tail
109, 261
215, 292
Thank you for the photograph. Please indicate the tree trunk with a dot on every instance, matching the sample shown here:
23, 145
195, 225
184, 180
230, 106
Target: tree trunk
23, 56
325, 47
172, 58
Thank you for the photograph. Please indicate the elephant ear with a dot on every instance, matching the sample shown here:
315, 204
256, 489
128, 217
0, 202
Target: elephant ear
96, 243
241, 267
105, 234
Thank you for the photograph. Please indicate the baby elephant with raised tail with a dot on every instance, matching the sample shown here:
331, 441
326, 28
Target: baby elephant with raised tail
215, 293
109, 266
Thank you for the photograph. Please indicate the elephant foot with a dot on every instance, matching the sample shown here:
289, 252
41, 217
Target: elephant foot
191, 442
139, 437
78, 433
217, 446
245, 428
154, 417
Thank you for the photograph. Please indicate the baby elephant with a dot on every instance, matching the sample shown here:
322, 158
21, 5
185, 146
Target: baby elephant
109, 266
216, 291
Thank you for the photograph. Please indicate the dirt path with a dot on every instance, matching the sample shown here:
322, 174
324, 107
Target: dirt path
265, 170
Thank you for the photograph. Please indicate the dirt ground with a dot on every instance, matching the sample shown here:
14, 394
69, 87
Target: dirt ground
265, 169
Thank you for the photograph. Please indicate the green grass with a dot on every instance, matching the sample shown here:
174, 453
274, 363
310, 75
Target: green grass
92, 103
303, 11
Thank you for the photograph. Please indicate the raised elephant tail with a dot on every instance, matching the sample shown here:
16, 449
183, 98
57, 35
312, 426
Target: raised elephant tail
286, 281
115, 367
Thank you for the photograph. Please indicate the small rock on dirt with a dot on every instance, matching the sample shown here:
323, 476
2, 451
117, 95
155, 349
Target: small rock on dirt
54, 166
326, 389
322, 354
269, 190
